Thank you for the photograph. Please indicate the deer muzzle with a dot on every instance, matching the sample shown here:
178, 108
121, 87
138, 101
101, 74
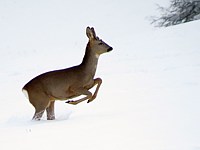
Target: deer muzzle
109, 49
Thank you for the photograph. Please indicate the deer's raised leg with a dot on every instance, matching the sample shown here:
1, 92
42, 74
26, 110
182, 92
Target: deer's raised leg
81, 91
97, 81
89, 96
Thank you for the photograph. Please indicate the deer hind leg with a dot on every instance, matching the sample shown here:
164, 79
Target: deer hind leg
38, 115
97, 81
81, 91
50, 111
39, 109
40, 103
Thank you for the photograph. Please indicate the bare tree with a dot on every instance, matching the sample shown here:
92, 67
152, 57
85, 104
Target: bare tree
179, 11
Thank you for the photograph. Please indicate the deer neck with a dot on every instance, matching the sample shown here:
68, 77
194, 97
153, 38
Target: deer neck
90, 61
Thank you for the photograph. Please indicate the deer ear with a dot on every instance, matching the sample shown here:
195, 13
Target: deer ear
90, 33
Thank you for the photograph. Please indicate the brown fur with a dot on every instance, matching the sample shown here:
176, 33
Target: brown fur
68, 83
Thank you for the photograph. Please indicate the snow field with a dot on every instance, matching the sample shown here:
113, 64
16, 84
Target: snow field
149, 99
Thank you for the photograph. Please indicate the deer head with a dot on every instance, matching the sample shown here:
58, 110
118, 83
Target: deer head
98, 46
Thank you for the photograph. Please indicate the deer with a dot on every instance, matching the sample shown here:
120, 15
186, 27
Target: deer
66, 84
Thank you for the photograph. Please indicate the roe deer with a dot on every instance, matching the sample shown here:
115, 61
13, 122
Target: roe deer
43, 90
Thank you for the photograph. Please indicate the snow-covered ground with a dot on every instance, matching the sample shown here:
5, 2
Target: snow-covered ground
150, 96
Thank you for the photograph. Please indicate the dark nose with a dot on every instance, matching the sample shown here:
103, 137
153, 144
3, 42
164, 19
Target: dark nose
109, 49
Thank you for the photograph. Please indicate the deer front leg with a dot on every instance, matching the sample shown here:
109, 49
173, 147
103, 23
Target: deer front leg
97, 81
81, 91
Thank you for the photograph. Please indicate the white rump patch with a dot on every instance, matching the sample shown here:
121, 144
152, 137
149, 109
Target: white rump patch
97, 56
25, 93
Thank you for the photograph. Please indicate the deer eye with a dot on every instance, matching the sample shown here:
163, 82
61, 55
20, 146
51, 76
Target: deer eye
100, 43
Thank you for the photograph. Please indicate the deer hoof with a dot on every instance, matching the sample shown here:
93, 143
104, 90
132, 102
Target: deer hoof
89, 101
72, 102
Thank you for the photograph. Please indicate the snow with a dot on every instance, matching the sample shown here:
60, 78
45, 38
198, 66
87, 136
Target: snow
149, 99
